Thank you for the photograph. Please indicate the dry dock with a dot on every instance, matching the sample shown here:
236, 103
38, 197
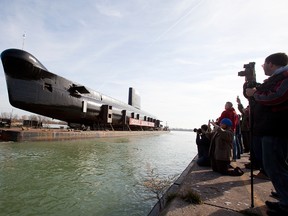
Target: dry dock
220, 195
20, 135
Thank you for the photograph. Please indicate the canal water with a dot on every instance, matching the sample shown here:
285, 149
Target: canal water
89, 177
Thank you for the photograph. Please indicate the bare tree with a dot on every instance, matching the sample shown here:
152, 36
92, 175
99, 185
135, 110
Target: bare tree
42, 119
33, 117
24, 117
5, 115
15, 117
157, 185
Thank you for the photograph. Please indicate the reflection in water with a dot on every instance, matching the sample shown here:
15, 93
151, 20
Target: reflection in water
88, 177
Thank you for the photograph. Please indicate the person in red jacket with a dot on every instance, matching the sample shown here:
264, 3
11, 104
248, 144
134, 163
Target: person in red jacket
229, 113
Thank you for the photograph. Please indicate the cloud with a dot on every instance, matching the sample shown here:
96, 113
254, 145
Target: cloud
108, 11
183, 56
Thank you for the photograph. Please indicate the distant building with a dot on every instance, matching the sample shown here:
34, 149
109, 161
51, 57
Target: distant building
4, 122
32, 123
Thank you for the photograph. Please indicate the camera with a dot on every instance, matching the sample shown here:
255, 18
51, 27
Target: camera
198, 131
249, 72
250, 77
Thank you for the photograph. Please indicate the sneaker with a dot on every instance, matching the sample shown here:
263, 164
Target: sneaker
274, 195
238, 171
279, 212
248, 166
272, 205
261, 175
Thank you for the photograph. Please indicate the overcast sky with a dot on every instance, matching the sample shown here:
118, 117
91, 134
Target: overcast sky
183, 56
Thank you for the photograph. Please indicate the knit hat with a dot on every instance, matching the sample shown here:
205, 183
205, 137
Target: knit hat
226, 121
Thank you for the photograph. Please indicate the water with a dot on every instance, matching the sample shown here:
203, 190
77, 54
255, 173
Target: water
89, 177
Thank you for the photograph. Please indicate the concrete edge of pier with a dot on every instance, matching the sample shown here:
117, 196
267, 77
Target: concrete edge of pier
174, 188
220, 194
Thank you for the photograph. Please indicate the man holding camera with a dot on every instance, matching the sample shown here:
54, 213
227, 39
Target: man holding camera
203, 145
270, 114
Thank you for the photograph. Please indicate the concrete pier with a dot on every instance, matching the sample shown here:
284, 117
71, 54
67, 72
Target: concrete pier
220, 195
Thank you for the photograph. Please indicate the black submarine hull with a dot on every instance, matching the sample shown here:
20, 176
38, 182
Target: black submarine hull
33, 88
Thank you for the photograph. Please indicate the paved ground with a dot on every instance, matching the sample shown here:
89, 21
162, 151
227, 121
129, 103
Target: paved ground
220, 195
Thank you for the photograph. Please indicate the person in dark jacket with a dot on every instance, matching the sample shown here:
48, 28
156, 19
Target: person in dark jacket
270, 113
203, 145
244, 125
256, 150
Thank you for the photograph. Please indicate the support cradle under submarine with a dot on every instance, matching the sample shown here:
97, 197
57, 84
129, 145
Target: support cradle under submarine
33, 88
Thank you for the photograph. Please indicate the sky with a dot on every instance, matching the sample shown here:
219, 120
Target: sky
183, 56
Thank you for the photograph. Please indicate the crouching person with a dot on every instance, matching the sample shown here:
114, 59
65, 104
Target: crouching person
203, 145
221, 148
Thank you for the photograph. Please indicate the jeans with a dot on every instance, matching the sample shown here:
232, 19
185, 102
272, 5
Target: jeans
203, 161
256, 151
236, 148
275, 161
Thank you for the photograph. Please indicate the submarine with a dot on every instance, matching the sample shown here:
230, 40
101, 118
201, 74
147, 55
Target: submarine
33, 88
